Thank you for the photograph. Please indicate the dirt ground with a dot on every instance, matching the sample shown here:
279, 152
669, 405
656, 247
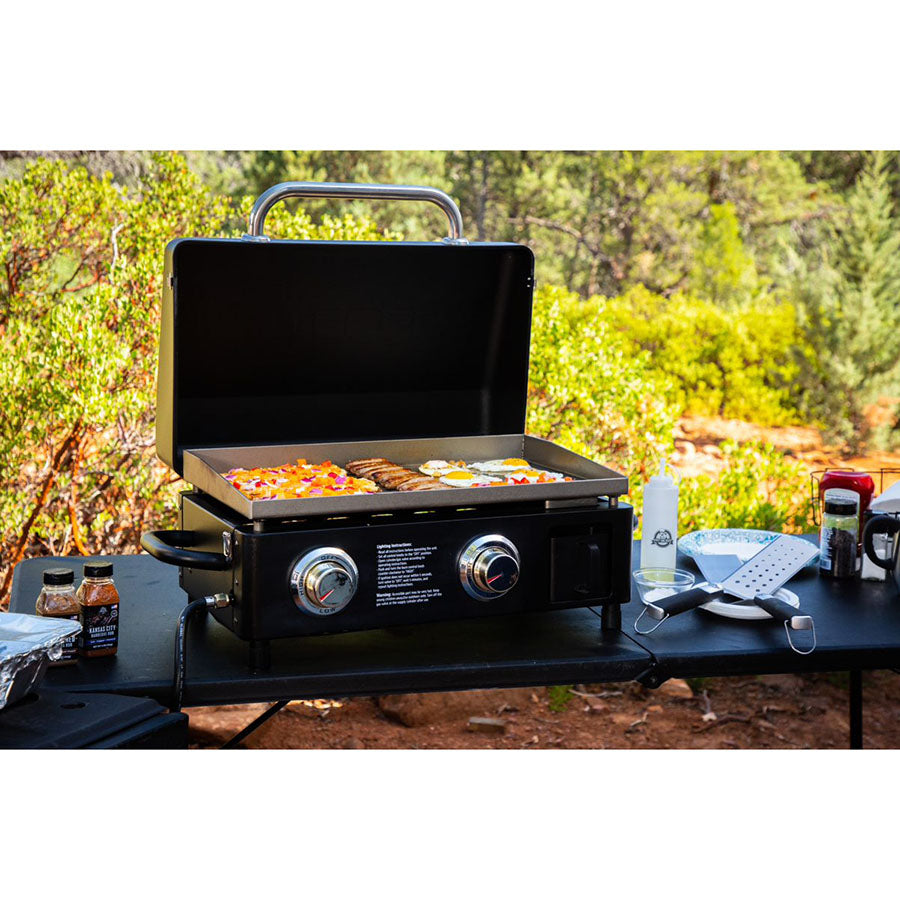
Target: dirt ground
783, 711
697, 452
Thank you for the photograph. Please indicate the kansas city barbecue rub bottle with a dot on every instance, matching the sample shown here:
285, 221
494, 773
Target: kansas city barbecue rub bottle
99, 602
57, 600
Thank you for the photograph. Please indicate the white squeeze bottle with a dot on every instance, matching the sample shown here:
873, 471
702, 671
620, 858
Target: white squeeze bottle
660, 531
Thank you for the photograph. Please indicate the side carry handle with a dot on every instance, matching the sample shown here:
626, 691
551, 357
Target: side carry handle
169, 547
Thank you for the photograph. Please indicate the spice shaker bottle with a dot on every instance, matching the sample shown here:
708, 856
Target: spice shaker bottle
99, 609
839, 538
861, 483
57, 600
660, 532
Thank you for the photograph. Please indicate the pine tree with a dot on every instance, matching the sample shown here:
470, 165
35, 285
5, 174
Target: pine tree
851, 306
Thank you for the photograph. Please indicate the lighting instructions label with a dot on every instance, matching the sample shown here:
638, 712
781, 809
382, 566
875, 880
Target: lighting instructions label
403, 574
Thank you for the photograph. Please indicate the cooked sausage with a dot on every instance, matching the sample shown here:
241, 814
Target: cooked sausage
356, 466
420, 483
394, 480
432, 485
392, 477
375, 471
375, 460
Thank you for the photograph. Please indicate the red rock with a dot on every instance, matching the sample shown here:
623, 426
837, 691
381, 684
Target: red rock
677, 688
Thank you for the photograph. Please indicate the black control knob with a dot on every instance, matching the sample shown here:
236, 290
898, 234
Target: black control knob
489, 567
495, 570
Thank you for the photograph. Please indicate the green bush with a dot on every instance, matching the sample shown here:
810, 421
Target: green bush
595, 392
589, 393
759, 488
81, 267
738, 361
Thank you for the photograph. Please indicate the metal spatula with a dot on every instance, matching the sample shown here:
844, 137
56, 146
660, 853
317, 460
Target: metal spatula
756, 580
716, 567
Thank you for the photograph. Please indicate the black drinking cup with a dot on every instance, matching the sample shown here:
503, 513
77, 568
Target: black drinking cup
883, 524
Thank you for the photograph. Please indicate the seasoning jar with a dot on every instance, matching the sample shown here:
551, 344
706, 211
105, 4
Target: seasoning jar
57, 600
860, 483
839, 537
99, 610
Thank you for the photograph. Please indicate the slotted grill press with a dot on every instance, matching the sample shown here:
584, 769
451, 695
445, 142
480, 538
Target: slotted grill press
774, 565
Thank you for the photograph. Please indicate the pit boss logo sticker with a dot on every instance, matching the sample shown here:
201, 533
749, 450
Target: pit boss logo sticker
662, 538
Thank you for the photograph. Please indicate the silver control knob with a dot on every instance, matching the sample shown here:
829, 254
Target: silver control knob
324, 581
489, 567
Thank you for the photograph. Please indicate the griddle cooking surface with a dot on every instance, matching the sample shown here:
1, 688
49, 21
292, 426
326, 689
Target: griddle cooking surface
204, 469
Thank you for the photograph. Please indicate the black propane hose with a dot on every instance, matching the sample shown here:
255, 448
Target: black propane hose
181, 650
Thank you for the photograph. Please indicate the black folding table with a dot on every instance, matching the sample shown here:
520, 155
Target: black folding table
59, 720
562, 647
857, 628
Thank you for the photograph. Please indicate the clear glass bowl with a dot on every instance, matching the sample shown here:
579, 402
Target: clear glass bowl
655, 584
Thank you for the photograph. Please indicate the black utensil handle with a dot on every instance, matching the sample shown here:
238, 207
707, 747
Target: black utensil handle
880, 525
679, 603
776, 608
168, 547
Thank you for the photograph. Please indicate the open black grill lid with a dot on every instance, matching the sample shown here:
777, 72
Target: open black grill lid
282, 342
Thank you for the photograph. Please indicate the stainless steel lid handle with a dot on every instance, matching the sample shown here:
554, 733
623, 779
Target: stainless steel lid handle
318, 190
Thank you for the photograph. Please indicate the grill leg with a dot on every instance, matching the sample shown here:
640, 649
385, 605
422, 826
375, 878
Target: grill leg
611, 617
260, 656
856, 710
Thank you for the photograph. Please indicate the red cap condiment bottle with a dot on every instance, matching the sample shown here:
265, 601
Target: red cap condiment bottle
860, 483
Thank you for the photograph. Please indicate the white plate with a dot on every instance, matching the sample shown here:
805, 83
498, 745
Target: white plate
744, 543
747, 609
737, 609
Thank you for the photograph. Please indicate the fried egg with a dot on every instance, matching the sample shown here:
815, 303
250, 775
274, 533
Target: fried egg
501, 465
462, 478
436, 467
458, 478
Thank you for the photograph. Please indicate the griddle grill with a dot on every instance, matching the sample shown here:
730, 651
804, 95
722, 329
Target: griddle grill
275, 350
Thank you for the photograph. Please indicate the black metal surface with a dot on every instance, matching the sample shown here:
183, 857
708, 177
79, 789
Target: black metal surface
857, 627
560, 647
168, 731
557, 571
63, 720
297, 341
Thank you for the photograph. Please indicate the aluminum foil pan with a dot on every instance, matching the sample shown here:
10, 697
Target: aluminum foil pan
27, 645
